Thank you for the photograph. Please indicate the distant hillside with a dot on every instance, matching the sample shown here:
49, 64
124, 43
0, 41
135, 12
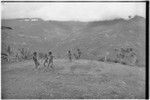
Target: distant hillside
93, 38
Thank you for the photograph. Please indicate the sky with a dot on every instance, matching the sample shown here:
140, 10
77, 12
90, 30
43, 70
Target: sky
72, 11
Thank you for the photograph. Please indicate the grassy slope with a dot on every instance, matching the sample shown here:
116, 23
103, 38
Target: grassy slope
93, 38
77, 79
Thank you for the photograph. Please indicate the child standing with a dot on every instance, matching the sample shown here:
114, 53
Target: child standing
36, 62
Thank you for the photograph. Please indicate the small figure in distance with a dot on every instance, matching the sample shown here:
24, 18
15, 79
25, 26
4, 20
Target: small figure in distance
79, 53
46, 60
50, 60
69, 55
36, 62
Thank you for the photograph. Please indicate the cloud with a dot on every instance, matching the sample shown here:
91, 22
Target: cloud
73, 11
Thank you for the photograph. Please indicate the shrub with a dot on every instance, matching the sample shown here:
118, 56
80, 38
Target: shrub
10, 54
4, 57
25, 54
7, 54
126, 56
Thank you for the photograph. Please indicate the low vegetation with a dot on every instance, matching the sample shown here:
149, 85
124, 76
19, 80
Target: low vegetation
11, 55
125, 56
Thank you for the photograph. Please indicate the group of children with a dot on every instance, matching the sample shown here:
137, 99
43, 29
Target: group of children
77, 56
48, 60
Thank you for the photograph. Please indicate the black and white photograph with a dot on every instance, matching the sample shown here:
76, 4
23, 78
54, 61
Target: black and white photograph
73, 50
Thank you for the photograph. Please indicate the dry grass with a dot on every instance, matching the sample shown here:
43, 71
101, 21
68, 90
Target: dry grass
80, 79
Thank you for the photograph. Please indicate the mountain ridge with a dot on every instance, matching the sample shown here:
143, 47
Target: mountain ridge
134, 17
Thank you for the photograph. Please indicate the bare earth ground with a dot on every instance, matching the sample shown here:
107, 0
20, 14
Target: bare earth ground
82, 79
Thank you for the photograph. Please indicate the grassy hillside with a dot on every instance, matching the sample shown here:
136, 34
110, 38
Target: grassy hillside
80, 79
94, 39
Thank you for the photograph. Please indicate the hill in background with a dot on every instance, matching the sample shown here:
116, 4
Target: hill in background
95, 39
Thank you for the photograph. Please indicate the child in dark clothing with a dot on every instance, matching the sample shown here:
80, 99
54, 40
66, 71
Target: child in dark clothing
36, 62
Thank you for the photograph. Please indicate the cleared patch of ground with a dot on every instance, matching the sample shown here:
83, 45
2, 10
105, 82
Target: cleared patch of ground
80, 79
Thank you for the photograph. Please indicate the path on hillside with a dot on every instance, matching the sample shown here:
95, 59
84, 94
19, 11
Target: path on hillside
78, 79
